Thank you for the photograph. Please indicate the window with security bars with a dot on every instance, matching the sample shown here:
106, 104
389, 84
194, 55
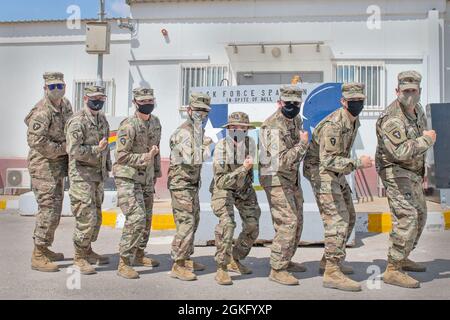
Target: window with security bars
79, 85
202, 76
372, 75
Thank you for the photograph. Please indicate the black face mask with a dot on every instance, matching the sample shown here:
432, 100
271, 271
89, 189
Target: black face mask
237, 135
290, 110
95, 105
146, 108
355, 107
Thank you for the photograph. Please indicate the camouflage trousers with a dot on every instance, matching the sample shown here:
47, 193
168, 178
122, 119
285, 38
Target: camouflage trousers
136, 202
49, 195
249, 211
186, 212
86, 200
286, 207
409, 212
338, 214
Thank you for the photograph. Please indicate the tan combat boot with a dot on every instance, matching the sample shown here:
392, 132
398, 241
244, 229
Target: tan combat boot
194, 266
283, 277
142, 260
237, 267
125, 270
40, 262
393, 275
344, 269
296, 267
180, 271
222, 276
409, 265
81, 263
95, 258
335, 279
53, 256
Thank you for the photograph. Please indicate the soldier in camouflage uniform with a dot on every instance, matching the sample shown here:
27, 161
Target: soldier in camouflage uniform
233, 186
188, 150
283, 145
47, 164
137, 166
403, 140
325, 166
87, 135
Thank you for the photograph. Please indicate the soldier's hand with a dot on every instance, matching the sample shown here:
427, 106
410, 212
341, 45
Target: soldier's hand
207, 141
154, 151
248, 163
304, 136
103, 144
366, 161
151, 154
431, 134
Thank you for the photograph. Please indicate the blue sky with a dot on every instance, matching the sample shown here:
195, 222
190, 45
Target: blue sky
57, 9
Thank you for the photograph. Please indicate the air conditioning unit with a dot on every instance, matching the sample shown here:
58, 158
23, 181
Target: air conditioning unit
18, 178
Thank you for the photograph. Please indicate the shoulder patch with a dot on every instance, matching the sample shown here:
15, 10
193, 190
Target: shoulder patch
394, 130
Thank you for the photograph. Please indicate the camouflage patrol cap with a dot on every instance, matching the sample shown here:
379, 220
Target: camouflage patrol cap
409, 80
53, 77
143, 94
239, 119
291, 93
353, 90
200, 101
93, 91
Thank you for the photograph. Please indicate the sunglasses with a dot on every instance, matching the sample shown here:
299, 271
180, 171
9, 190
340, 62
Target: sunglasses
52, 87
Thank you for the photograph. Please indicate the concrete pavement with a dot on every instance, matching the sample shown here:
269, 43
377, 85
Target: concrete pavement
18, 281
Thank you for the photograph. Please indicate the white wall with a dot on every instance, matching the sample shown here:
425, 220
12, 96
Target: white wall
27, 50
199, 32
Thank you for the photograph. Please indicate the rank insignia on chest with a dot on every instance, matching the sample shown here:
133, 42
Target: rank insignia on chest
75, 135
36, 126
123, 141
408, 196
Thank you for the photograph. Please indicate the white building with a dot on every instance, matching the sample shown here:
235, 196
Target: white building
178, 44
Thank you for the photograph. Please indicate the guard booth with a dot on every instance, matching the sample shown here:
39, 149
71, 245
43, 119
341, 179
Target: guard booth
259, 102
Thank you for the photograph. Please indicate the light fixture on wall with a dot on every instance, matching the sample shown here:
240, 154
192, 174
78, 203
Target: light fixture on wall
125, 23
276, 52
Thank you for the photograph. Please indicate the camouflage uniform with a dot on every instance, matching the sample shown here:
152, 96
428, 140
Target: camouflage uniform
233, 186
47, 160
280, 157
187, 154
400, 163
135, 176
325, 166
88, 169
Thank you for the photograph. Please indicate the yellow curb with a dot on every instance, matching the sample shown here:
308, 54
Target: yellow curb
379, 222
2, 204
446, 215
109, 218
163, 222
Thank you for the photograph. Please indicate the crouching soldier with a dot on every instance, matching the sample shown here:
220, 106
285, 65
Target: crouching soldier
134, 171
87, 135
232, 186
